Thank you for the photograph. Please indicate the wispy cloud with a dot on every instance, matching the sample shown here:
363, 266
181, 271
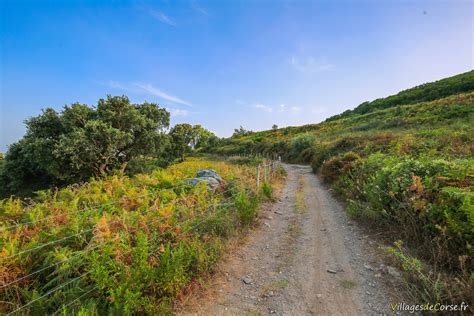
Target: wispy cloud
263, 107
282, 108
151, 90
113, 85
295, 109
139, 87
160, 16
309, 65
196, 7
147, 87
178, 112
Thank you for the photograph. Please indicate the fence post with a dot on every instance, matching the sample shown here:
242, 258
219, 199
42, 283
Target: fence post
258, 177
265, 172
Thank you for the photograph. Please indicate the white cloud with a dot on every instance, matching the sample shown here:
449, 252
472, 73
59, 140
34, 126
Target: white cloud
198, 8
295, 109
160, 16
309, 65
113, 85
150, 89
147, 87
263, 107
178, 112
282, 108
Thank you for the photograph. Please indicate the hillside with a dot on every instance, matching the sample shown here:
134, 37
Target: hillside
405, 165
422, 93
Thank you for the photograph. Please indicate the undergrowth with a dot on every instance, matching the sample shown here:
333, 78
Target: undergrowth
120, 245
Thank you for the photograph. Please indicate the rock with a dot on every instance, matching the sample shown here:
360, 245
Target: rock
331, 271
319, 295
209, 173
368, 267
247, 279
270, 293
212, 183
393, 272
212, 179
266, 224
278, 212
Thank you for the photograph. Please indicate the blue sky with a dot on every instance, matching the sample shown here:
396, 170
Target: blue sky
223, 64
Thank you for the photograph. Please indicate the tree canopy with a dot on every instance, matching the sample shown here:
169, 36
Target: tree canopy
82, 141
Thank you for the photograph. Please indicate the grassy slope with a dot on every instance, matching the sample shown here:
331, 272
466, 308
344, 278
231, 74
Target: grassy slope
422, 93
136, 253
407, 168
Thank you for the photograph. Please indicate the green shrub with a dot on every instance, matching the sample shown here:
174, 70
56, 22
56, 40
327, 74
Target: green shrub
267, 190
246, 207
299, 144
337, 166
415, 195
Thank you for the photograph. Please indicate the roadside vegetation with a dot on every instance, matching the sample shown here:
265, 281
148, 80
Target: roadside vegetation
405, 164
97, 218
81, 141
119, 244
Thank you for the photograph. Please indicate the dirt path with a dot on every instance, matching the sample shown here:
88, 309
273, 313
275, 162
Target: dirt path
306, 258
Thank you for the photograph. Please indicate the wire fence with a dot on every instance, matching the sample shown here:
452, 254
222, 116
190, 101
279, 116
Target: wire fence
72, 236
88, 250
268, 168
59, 287
81, 210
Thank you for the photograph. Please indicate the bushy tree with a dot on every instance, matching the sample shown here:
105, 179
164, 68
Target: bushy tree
241, 132
201, 137
83, 141
181, 137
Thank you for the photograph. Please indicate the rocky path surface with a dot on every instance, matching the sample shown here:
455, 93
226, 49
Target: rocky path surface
306, 258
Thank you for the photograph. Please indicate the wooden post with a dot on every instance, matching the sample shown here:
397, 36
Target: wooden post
265, 172
258, 177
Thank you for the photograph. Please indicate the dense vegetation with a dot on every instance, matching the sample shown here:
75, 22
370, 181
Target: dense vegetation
425, 92
405, 164
82, 141
120, 245
129, 237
